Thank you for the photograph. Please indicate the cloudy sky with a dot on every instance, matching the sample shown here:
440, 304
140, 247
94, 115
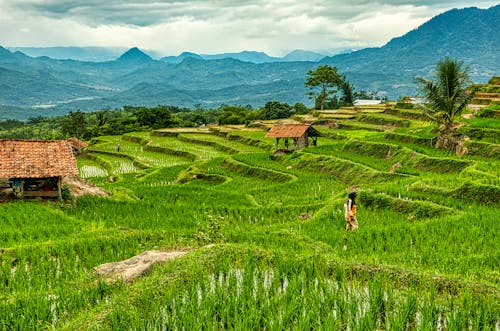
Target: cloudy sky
215, 26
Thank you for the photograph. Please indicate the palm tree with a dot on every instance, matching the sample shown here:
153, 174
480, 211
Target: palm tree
447, 97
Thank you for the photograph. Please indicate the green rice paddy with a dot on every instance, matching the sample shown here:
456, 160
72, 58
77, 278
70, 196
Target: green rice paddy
265, 235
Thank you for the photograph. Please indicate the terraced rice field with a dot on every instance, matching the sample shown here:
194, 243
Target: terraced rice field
265, 235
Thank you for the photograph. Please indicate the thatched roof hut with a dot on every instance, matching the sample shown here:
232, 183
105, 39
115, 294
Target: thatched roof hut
299, 133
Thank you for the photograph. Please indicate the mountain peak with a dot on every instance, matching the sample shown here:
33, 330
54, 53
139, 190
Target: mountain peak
303, 55
451, 24
181, 57
134, 55
5, 53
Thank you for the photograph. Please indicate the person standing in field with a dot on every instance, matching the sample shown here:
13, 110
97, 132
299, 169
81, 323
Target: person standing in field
350, 212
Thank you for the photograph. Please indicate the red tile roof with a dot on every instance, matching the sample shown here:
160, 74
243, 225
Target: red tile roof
290, 131
36, 159
76, 143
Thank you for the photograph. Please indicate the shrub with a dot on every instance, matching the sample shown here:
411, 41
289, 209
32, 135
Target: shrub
483, 194
66, 193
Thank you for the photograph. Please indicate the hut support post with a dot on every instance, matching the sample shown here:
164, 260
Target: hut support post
277, 145
17, 185
21, 192
59, 190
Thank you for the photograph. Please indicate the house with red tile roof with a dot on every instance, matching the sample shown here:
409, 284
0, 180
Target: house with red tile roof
298, 133
34, 168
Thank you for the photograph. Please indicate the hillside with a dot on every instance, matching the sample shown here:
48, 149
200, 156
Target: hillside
469, 35
257, 240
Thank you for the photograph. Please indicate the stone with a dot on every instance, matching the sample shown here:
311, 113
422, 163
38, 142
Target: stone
394, 167
130, 269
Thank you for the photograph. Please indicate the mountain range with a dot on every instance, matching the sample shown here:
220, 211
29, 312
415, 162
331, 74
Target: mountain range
101, 54
33, 86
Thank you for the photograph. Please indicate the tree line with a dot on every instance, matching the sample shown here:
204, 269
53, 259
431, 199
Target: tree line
86, 125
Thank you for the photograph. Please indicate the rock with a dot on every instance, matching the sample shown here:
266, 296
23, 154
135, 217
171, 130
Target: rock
333, 125
81, 187
130, 269
305, 216
453, 143
394, 167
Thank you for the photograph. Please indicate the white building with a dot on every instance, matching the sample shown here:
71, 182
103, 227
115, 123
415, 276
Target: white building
362, 102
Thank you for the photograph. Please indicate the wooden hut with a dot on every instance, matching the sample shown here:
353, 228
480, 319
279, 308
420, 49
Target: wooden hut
35, 168
298, 133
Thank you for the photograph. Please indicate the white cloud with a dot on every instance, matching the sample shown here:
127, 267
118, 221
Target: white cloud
273, 26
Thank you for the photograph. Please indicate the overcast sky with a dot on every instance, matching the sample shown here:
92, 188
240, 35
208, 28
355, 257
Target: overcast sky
216, 26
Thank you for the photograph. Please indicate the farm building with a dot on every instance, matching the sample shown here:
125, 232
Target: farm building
30, 168
363, 102
298, 133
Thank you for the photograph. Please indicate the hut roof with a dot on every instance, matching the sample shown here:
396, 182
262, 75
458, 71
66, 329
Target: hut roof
77, 143
36, 159
291, 131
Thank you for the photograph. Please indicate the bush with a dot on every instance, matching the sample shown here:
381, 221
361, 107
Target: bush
483, 194
384, 120
404, 105
492, 111
66, 193
419, 209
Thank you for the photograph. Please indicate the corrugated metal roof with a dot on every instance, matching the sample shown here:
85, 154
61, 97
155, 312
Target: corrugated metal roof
36, 159
290, 131
363, 102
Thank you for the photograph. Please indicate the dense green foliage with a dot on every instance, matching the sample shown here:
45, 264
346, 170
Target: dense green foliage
324, 82
265, 234
114, 122
446, 97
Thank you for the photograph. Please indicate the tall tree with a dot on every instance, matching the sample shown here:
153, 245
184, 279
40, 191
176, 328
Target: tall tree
74, 124
274, 110
447, 96
157, 117
101, 117
324, 83
348, 92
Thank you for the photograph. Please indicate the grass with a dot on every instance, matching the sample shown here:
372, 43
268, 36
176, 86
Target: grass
265, 234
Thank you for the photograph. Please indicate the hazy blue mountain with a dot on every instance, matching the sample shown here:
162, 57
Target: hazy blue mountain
181, 57
470, 35
32, 88
303, 55
246, 56
94, 54
134, 55
5, 54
